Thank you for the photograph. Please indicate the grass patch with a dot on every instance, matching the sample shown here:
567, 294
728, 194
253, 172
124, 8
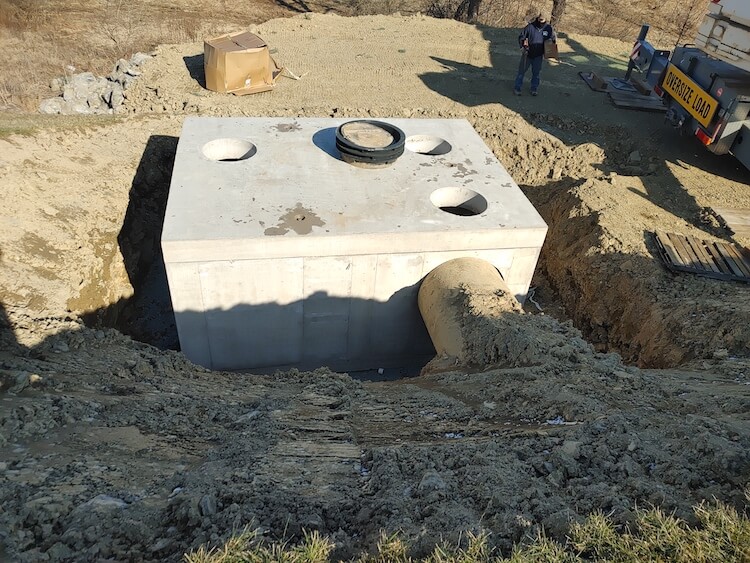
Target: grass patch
722, 535
245, 548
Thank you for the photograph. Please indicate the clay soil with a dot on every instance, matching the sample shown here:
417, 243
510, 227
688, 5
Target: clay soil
629, 388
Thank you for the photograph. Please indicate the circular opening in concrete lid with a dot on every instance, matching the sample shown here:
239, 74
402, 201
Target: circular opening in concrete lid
459, 201
367, 134
428, 144
228, 150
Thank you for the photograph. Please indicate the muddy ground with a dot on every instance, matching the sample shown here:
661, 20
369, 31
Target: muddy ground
631, 390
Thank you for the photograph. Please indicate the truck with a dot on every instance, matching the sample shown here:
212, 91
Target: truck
705, 86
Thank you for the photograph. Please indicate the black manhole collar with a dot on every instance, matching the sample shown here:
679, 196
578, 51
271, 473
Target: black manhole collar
352, 151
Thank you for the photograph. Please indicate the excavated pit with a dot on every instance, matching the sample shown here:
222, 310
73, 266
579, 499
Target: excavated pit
617, 291
609, 293
112, 449
147, 315
276, 263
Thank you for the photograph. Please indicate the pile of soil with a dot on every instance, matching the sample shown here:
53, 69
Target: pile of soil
114, 449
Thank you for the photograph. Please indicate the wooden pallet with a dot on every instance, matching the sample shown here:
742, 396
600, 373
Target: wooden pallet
643, 88
717, 260
637, 101
608, 83
594, 81
736, 219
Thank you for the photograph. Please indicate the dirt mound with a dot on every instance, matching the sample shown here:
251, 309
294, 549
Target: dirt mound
114, 449
603, 259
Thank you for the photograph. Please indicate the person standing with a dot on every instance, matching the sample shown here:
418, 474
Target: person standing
531, 40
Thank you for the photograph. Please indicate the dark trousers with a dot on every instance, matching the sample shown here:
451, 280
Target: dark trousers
536, 68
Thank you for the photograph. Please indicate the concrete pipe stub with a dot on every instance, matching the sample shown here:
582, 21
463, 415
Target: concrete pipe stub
444, 298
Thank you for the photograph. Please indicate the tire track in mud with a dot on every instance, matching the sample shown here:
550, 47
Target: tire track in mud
420, 411
316, 451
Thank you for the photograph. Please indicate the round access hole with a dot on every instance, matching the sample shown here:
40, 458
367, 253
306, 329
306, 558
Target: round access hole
459, 201
428, 144
228, 150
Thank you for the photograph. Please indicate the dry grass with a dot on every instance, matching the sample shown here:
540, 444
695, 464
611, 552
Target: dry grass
43, 39
672, 21
723, 535
46, 39
23, 15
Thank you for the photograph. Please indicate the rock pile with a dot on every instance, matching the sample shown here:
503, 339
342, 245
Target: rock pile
87, 93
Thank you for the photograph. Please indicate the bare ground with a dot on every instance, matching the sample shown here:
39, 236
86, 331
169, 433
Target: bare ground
115, 449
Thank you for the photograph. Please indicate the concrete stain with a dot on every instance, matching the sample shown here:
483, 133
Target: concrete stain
298, 219
462, 170
287, 127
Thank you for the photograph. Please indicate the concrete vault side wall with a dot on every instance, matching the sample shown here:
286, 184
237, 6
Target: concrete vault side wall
288, 256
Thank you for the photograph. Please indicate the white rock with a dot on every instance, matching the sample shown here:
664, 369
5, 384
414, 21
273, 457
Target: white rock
51, 106
208, 505
139, 58
105, 501
431, 481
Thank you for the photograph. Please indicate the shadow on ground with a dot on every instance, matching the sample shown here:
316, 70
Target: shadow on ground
146, 316
195, 66
636, 143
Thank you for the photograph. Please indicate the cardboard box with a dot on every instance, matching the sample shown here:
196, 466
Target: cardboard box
550, 50
238, 63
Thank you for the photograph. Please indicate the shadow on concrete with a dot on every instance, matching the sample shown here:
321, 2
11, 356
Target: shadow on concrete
270, 331
346, 334
325, 140
194, 65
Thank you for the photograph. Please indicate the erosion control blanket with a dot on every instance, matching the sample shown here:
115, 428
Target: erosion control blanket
239, 63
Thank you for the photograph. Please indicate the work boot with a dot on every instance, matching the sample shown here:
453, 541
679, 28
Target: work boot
517, 92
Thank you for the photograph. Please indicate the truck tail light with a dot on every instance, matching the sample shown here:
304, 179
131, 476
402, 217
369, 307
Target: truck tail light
703, 136
658, 91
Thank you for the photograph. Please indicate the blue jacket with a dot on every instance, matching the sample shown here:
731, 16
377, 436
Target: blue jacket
536, 36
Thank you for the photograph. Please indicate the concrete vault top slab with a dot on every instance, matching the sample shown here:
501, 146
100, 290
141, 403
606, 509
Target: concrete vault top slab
248, 188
